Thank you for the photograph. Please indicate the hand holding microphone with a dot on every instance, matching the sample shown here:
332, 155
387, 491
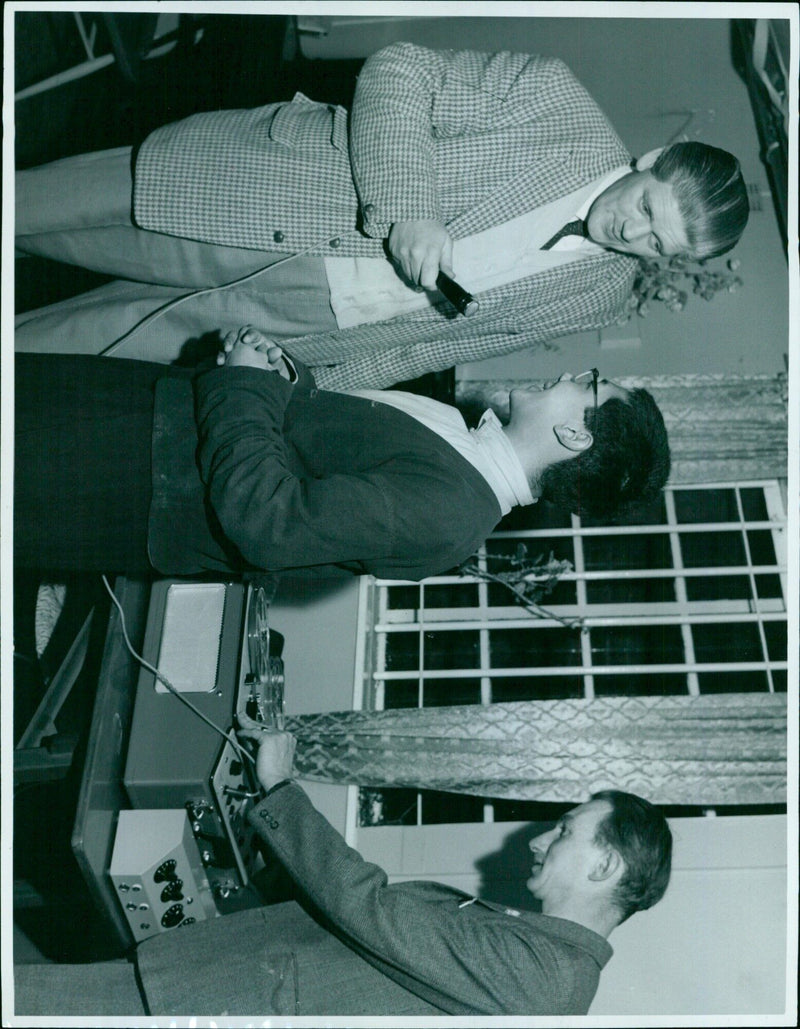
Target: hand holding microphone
423, 250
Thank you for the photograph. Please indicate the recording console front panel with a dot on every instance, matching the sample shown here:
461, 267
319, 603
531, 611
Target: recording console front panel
158, 873
213, 643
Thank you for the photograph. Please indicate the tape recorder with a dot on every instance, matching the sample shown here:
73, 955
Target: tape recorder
185, 850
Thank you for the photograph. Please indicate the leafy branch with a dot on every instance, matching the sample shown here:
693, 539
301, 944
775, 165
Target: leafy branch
672, 281
530, 580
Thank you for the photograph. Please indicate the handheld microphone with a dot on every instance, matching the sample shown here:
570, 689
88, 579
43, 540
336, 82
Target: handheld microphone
465, 303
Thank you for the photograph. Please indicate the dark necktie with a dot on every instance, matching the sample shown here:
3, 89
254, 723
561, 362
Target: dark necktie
574, 228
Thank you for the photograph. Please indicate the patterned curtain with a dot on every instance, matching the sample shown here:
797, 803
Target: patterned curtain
721, 749
722, 428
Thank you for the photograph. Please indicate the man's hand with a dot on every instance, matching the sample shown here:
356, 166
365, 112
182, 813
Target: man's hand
421, 249
276, 749
247, 347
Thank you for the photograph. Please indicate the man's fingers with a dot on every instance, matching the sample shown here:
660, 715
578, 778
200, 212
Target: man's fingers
253, 338
246, 722
247, 726
251, 728
418, 248
405, 264
429, 270
248, 336
423, 264
446, 259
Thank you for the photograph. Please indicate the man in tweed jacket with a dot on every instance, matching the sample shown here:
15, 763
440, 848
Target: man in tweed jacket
365, 947
441, 147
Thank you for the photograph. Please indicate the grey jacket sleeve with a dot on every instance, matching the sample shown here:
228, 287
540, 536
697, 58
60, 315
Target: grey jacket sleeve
511, 318
463, 959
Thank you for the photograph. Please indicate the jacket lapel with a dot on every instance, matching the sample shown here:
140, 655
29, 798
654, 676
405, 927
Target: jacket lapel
538, 184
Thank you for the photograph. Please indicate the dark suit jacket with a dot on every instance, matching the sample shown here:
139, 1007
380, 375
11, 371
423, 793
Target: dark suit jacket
292, 476
412, 947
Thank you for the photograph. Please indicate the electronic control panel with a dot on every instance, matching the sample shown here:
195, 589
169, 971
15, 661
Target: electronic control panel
212, 643
158, 873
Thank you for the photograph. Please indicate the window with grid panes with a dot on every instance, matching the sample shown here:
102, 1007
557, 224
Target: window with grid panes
690, 599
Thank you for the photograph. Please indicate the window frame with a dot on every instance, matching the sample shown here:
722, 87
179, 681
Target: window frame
378, 621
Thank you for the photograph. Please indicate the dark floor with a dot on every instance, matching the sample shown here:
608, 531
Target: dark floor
50, 897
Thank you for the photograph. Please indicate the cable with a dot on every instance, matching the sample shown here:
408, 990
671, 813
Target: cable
177, 301
241, 751
462, 301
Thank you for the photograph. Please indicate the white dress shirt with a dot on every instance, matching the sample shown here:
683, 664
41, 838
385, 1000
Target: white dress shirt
368, 289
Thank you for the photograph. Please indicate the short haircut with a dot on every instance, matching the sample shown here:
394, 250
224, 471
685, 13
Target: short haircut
639, 832
711, 194
625, 468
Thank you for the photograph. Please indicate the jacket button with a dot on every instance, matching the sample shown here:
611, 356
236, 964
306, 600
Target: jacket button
369, 210
313, 392
334, 243
273, 823
278, 236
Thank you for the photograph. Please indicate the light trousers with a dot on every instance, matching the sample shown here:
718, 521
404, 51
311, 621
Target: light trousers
78, 210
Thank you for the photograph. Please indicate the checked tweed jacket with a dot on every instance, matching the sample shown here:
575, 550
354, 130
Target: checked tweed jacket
469, 138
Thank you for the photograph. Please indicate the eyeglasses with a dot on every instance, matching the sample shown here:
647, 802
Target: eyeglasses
585, 376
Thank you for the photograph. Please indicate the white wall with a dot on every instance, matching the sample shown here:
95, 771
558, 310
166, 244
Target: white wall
318, 620
715, 945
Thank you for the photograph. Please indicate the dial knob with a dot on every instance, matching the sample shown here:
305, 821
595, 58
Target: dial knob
173, 890
172, 916
165, 871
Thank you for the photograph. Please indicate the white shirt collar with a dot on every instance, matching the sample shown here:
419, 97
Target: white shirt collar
504, 470
602, 184
584, 245
486, 448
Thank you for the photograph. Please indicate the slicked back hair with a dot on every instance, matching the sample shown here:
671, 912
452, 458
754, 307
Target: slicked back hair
712, 197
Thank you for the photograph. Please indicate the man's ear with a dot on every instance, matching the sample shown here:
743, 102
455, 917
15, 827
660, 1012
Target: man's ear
648, 160
607, 866
576, 440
